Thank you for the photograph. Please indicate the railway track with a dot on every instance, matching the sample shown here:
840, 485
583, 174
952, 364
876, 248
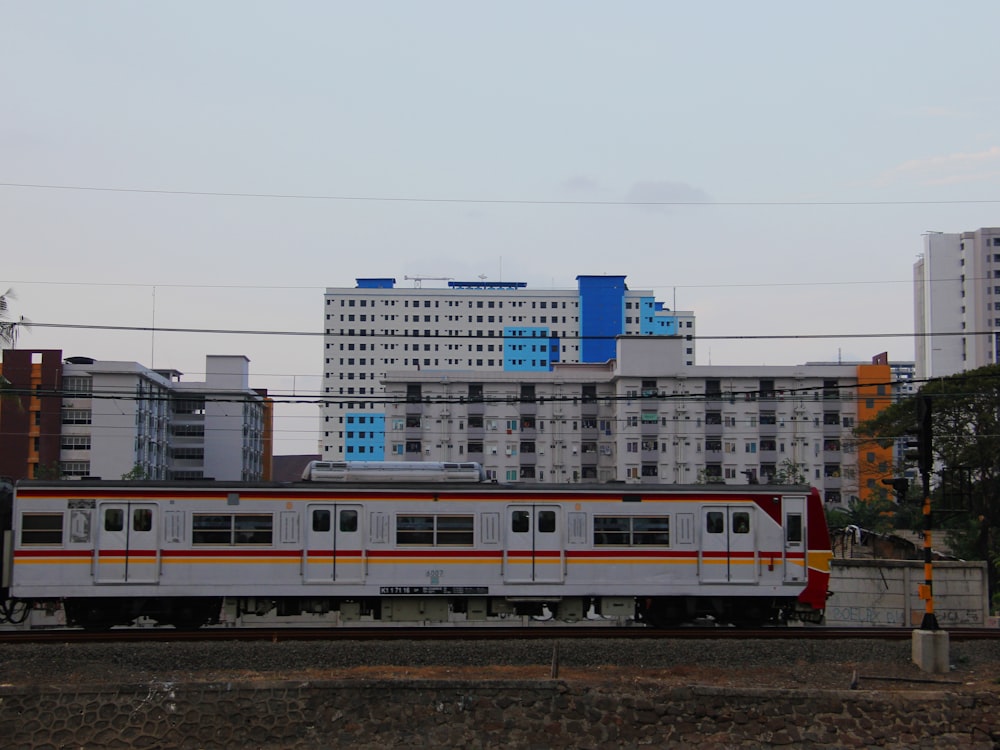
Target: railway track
566, 633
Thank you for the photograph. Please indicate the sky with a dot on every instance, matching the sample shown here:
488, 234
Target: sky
770, 166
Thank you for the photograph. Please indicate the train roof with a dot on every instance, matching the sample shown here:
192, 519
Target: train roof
607, 487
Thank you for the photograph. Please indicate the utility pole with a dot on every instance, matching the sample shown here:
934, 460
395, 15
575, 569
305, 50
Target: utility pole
925, 462
930, 643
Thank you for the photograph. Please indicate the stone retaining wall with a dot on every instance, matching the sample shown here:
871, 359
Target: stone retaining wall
494, 714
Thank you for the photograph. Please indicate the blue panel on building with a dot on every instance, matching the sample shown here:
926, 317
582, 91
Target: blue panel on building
666, 325
375, 283
647, 313
602, 316
364, 437
527, 349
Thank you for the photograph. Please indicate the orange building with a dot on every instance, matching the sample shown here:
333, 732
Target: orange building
30, 413
875, 462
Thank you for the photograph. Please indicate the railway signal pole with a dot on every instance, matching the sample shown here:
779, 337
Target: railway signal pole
925, 462
930, 643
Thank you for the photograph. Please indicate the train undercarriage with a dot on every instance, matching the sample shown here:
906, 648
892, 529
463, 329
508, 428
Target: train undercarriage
187, 613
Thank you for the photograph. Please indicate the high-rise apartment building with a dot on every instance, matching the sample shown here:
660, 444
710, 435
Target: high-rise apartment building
957, 302
649, 417
486, 327
82, 417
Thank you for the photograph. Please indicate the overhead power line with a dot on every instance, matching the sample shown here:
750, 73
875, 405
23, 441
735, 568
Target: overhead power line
494, 201
573, 337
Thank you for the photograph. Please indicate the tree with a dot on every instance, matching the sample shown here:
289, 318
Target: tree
9, 329
878, 514
789, 472
965, 423
135, 473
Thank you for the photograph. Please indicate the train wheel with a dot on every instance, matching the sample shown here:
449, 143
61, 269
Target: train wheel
663, 613
749, 613
92, 614
191, 614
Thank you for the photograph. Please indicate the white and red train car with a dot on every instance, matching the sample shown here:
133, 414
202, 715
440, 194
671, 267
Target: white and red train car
406, 551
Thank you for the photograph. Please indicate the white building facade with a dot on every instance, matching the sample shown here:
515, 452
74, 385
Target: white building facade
646, 417
957, 302
498, 329
121, 418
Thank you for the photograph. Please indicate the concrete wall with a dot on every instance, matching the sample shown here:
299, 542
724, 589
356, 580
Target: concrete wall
485, 714
884, 593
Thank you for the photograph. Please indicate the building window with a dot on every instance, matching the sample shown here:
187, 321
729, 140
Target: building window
75, 468
77, 384
75, 442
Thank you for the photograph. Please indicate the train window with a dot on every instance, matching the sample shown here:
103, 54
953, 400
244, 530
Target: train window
651, 530
741, 522
114, 519
632, 530
142, 519
321, 520
348, 520
714, 523
434, 530
41, 528
611, 530
793, 527
232, 529
210, 529
520, 521
546, 521
415, 530
454, 530
255, 529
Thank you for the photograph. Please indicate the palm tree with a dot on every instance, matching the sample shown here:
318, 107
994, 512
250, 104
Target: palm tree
9, 329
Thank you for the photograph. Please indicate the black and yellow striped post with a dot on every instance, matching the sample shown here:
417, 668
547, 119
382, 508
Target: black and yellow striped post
930, 642
925, 462
926, 590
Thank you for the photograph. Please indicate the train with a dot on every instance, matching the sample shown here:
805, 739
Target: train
194, 553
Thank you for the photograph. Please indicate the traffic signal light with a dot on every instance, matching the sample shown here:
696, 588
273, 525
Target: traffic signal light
919, 447
900, 486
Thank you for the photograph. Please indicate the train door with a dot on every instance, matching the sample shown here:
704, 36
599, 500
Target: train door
533, 551
728, 551
334, 548
794, 511
127, 546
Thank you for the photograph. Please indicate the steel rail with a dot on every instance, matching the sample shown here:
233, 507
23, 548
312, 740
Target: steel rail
134, 635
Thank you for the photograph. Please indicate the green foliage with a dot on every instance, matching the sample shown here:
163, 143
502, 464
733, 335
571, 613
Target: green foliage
965, 493
877, 514
135, 473
705, 478
789, 472
48, 471
966, 426
9, 328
